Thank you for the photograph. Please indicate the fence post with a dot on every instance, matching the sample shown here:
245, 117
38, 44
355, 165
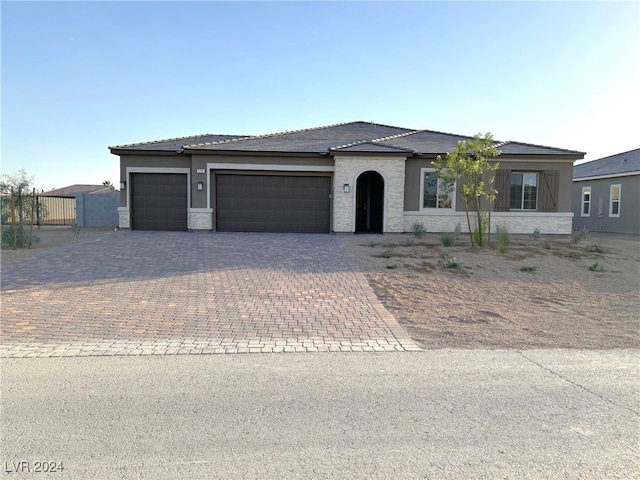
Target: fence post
33, 211
13, 220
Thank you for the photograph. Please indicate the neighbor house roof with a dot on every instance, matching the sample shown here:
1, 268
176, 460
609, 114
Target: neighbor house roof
75, 189
621, 164
355, 137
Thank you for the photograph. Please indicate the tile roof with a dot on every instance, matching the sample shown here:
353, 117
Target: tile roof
175, 144
311, 140
621, 163
77, 188
341, 137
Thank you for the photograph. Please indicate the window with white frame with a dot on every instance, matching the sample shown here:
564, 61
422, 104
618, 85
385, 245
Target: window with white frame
586, 202
614, 200
524, 191
433, 193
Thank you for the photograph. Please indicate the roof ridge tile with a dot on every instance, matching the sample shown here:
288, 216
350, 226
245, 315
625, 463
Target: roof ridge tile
391, 137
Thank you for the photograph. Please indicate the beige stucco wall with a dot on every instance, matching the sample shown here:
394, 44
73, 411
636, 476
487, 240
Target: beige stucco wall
412, 194
348, 169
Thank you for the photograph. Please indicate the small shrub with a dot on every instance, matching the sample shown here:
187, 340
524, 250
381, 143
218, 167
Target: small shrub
24, 238
447, 239
452, 263
456, 231
503, 238
393, 266
528, 268
75, 229
596, 267
597, 248
573, 255
579, 235
447, 261
408, 242
546, 246
418, 229
387, 254
443, 252
536, 234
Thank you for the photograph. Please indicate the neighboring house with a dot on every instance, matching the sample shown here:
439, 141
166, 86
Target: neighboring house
88, 205
349, 177
606, 194
73, 190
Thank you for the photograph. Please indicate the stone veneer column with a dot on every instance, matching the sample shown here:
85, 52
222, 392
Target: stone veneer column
123, 217
200, 219
348, 169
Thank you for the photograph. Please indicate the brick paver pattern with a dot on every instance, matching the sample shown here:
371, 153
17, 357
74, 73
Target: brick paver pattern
156, 293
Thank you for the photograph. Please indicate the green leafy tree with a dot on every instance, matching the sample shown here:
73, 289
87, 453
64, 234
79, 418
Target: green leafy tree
467, 167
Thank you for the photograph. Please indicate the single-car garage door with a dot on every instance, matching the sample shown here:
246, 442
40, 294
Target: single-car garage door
158, 201
272, 203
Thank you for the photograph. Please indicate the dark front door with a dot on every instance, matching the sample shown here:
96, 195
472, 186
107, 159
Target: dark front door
369, 203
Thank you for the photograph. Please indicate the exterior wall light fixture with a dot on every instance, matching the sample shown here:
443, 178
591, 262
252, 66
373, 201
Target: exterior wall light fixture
200, 186
123, 184
346, 188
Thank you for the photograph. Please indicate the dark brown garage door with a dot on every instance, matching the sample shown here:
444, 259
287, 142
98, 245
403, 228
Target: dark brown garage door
158, 201
272, 203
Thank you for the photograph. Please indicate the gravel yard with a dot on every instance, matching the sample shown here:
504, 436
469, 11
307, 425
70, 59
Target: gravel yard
538, 294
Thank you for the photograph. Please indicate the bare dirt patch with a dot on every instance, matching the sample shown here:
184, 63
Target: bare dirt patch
50, 238
538, 294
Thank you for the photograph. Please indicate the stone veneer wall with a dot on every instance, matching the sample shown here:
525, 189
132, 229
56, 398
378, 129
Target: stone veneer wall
200, 219
547, 223
347, 170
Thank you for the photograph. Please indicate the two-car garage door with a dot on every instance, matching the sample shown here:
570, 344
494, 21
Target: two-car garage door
272, 203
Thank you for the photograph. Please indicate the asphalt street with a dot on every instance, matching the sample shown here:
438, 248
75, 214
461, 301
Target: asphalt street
431, 414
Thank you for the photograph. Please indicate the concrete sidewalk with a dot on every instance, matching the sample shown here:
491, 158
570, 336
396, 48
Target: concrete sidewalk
156, 293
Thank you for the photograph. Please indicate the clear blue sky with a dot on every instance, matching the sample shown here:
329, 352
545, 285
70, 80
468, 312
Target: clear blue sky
78, 77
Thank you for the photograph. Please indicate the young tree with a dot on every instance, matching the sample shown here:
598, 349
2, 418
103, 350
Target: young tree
18, 204
467, 167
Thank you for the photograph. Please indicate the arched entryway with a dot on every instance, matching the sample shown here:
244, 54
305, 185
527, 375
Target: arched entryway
369, 202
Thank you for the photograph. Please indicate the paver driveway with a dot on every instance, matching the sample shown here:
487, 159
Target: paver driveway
133, 293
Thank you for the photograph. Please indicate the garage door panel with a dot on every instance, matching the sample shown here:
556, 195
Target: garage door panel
158, 201
272, 203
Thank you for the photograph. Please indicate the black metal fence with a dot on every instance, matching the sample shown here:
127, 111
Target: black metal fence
33, 209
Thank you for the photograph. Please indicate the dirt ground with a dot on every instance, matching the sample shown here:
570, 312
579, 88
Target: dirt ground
489, 302
51, 237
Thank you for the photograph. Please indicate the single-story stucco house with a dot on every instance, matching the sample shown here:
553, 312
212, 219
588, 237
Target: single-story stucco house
348, 177
606, 194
